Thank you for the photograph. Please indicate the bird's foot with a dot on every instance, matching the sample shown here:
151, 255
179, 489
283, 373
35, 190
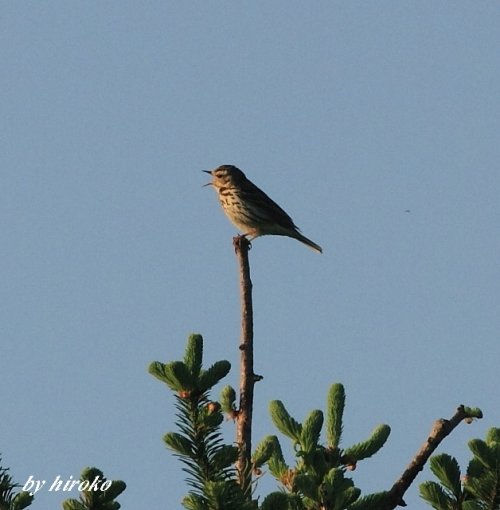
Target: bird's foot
240, 241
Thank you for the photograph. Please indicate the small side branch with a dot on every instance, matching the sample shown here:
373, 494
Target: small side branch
440, 429
247, 377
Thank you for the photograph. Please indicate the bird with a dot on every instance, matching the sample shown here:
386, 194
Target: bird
250, 209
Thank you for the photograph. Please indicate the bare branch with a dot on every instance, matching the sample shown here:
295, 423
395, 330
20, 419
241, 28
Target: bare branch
247, 376
440, 429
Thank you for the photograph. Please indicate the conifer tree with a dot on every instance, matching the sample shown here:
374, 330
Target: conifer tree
9, 498
208, 462
318, 478
98, 493
222, 476
479, 489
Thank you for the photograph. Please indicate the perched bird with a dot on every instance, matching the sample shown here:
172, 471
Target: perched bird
250, 209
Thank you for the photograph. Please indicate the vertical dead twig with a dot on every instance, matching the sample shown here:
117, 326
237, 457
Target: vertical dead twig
247, 377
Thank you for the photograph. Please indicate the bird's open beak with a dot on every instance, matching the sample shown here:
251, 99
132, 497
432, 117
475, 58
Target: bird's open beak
208, 183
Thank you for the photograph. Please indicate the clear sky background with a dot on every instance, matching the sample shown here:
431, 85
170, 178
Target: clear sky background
347, 113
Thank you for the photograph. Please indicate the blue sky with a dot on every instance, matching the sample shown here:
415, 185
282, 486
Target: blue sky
345, 113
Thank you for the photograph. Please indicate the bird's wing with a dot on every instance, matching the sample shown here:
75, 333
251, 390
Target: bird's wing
268, 210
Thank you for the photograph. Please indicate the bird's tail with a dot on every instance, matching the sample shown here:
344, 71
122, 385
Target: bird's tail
308, 242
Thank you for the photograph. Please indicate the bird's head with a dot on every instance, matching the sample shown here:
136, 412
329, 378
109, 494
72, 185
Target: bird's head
225, 176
